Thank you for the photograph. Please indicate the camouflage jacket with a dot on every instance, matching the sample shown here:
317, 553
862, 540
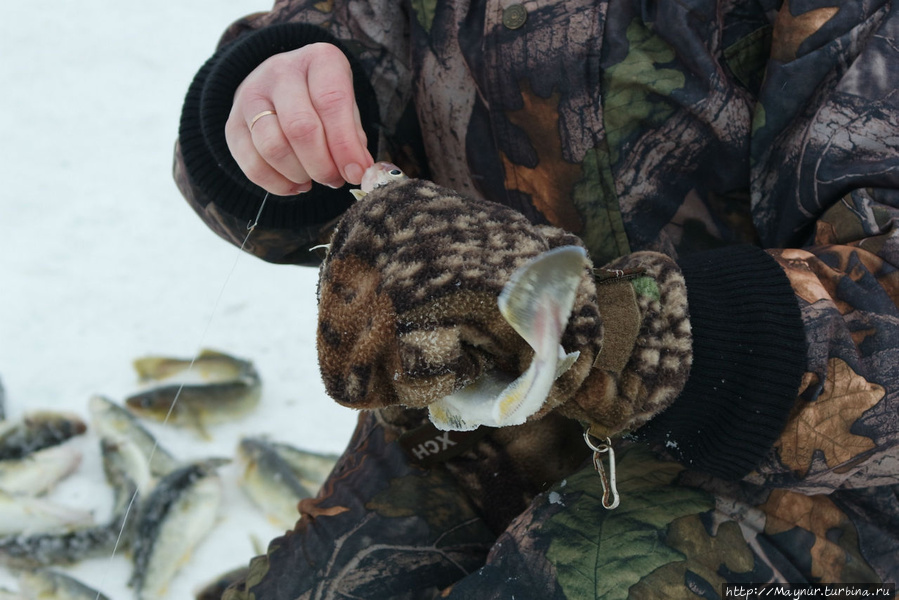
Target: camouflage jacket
687, 128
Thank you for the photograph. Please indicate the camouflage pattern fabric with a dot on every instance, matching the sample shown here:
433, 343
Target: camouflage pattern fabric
384, 528
671, 127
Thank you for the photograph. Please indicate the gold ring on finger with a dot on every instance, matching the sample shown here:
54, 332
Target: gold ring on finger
264, 113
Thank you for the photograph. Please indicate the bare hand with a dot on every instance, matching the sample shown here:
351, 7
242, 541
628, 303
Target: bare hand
314, 132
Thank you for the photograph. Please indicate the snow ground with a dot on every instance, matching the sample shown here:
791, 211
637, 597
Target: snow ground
101, 261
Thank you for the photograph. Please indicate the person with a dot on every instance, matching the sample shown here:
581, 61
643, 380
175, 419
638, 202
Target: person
732, 171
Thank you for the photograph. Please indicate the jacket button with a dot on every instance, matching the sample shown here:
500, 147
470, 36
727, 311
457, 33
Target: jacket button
515, 16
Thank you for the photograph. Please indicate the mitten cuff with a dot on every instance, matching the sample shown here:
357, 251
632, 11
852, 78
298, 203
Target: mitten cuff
749, 357
647, 347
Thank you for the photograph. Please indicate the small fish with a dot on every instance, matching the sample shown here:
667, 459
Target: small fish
310, 467
23, 515
215, 588
125, 464
44, 584
537, 302
37, 430
66, 546
377, 175
197, 405
201, 404
277, 476
178, 513
38, 472
209, 364
114, 422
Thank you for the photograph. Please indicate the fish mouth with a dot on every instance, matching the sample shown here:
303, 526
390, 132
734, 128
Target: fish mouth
377, 175
537, 302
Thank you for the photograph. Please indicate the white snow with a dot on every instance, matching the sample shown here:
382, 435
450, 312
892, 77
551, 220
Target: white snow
101, 261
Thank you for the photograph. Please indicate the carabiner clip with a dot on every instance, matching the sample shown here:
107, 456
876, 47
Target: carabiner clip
609, 488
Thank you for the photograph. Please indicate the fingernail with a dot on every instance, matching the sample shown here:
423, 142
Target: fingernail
354, 173
302, 188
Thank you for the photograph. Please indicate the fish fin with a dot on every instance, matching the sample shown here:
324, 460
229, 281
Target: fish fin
566, 361
195, 421
537, 302
358, 194
446, 418
470, 406
148, 367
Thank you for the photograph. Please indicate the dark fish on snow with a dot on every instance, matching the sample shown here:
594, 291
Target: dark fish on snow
208, 364
276, 476
44, 584
114, 422
69, 545
37, 430
231, 389
38, 472
25, 515
178, 513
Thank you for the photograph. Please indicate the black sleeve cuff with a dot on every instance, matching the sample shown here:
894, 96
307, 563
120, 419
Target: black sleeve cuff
207, 105
749, 355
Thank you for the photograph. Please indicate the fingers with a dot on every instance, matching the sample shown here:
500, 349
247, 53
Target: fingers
335, 104
281, 175
303, 129
295, 120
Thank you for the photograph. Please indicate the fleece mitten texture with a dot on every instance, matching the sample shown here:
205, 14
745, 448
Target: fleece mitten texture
408, 298
408, 311
647, 352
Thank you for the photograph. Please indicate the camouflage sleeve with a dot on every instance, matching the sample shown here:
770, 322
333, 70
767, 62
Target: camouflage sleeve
826, 186
208, 176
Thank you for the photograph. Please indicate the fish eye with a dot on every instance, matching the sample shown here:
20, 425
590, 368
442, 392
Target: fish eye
395, 172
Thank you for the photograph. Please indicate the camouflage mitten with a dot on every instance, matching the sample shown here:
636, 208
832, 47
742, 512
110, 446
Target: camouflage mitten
431, 299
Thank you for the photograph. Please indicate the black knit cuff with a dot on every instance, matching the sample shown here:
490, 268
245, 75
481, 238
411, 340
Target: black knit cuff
207, 105
749, 354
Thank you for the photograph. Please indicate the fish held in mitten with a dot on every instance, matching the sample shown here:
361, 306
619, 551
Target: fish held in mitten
428, 298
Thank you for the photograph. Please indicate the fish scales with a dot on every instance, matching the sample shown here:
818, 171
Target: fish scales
310, 467
210, 364
38, 472
205, 403
200, 404
270, 481
58, 548
114, 422
175, 516
26, 515
29, 551
37, 430
44, 584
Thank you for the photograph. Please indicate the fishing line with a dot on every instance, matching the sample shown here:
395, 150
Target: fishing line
251, 226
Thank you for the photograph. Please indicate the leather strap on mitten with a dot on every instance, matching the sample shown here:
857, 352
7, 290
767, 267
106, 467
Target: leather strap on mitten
647, 346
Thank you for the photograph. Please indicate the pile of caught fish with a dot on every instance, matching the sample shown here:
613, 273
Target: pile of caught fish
162, 507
